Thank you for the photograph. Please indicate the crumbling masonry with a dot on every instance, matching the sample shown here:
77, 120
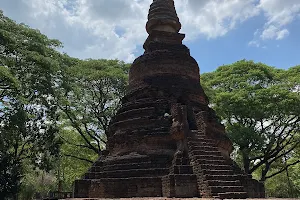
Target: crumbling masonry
165, 140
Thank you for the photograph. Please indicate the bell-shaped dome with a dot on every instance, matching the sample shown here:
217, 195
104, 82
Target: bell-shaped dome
163, 17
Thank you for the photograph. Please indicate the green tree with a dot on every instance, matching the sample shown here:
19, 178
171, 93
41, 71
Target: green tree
74, 160
37, 183
260, 107
44, 93
29, 69
89, 98
7, 83
90, 95
285, 184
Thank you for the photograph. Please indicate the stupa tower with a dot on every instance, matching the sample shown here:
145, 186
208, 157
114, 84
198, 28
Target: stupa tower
165, 140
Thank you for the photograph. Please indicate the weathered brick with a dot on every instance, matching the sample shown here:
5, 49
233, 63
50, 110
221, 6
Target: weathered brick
165, 140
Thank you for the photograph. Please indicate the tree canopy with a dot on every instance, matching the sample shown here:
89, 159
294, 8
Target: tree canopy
53, 108
28, 131
260, 107
89, 98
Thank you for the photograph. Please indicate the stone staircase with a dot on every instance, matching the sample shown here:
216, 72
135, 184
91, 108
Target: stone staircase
215, 175
181, 180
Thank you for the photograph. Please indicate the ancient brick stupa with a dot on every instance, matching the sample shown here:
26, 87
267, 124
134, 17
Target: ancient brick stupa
165, 141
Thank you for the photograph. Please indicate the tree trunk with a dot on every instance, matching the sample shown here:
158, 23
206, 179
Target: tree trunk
264, 172
291, 187
246, 162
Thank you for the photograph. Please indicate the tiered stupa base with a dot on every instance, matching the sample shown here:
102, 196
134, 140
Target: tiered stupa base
144, 161
165, 141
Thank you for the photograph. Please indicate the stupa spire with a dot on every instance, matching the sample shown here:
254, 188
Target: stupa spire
163, 17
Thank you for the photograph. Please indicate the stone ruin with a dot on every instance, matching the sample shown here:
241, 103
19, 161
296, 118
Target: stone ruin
166, 141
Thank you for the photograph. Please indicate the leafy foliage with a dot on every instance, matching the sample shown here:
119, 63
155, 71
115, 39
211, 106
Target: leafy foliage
90, 96
37, 183
27, 110
260, 106
48, 98
285, 184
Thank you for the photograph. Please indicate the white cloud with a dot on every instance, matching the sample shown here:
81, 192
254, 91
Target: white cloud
282, 34
116, 28
254, 43
87, 28
215, 18
279, 14
273, 32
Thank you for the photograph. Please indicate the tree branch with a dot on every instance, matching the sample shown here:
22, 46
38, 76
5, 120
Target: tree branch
283, 169
92, 136
79, 130
76, 145
285, 153
79, 158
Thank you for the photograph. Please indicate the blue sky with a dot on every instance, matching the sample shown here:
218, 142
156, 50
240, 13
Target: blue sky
217, 31
234, 46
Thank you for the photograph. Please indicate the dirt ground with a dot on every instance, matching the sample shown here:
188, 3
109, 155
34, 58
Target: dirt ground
162, 198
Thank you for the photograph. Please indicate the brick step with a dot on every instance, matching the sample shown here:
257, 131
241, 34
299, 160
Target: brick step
128, 173
181, 169
142, 131
202, 137
193, 136
141, 103
202, 134
217, 177
135, 104
163, 130
201, 141
207, 157
139, 165
180, 161
208, 148
140, 112
139, 122
224, 189
200, 144
182, 176
153, 133
180, 185
135, 180
233, 195
205, 152
129, 178
210, 166
125, 159
115, 160
209, 162
217, 172
223, 183
116, 188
